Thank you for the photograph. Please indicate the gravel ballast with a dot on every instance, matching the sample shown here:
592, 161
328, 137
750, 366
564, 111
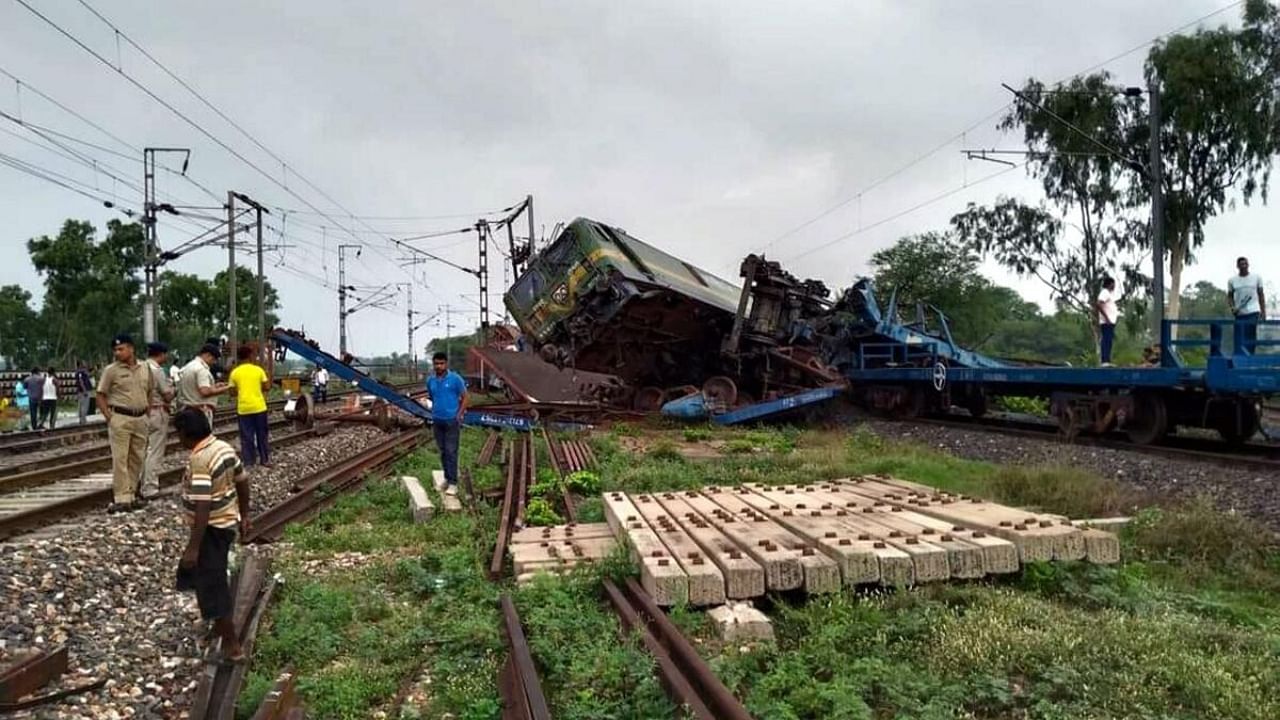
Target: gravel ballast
1251, 492
104, 585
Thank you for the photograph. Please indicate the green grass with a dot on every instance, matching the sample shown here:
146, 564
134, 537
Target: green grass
1188, 626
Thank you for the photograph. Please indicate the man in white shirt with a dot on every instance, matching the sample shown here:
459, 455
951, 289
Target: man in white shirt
1248, 304
320, 383
49, 400
1108, 314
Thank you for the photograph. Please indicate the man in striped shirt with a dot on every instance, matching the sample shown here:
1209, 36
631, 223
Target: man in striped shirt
216, 499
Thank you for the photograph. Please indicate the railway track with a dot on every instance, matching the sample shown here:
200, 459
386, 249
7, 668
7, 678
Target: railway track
1251, 455
42, 505
29, 440
91, 458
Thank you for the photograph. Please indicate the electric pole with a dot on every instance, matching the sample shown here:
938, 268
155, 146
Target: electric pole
448, 332
151, 259
528, 206
231, 270
262, 310
342, 297
482, 234
1156, 175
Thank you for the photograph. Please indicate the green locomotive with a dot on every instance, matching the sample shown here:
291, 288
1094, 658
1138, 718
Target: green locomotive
599, 299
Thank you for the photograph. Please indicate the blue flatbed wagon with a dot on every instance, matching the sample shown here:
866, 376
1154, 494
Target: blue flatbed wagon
907, 372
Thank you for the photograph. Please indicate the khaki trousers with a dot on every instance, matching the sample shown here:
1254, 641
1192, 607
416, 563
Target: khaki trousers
128, 437
157, 438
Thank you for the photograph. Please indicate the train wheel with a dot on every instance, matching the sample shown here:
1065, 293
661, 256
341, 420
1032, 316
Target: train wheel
1239, 424
1149, 422
303, 413
976, 403
721, 389
912, 405
648, 399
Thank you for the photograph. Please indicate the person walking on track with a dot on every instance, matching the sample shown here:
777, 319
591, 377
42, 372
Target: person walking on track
35, 391
196, 387
448, 392
158, 398
320, 385
22, 402
49, 399
215, 499
122, 400
84, 392
251, 385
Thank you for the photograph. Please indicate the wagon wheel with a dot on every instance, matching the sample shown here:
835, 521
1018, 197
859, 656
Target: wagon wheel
1149, 421
720, 389
678, 392
647, 399
1240, 424
303, 414
976, 403
1067, 421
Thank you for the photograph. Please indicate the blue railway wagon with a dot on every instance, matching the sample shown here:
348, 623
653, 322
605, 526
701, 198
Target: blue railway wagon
1146, 402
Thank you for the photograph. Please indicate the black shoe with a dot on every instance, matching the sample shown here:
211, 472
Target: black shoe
115, 508
141, 501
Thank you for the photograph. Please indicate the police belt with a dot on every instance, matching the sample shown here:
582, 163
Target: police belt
128, 411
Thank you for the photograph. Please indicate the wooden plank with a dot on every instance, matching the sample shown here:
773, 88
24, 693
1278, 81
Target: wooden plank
999, 556
820, 573
706, 583
862, 559
933, 559
569, 531
660, 576
1036, 539
743, 576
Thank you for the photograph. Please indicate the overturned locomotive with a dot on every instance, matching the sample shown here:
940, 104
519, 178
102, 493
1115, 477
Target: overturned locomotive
599, 299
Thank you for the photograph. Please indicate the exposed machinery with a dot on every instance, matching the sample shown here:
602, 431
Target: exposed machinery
599, 299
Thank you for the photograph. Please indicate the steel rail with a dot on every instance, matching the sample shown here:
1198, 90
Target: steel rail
1253, 456
21, 441
507, 516
42, 515
324, 487
688, 679
518, 681
82, 460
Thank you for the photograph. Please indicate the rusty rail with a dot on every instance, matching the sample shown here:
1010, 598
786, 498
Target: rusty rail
323, 488
518, 682
491, 442
521, 472
687, 678
282, 701
88, 459
41, 515
219, 685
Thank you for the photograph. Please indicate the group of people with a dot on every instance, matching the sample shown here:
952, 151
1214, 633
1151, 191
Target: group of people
1246, 300
136, 398
37, 396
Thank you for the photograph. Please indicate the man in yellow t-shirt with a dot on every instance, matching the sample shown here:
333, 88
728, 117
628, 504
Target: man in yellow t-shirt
251, 384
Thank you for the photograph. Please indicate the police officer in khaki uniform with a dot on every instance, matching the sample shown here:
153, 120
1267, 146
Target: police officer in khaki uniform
122, 397
159, 397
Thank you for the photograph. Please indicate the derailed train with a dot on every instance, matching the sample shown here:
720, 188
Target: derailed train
599, 299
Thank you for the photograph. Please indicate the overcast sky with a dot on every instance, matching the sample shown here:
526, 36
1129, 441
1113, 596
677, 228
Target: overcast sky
709, 129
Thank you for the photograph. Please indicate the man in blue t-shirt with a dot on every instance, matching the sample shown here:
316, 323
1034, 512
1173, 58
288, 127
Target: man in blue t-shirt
448, 394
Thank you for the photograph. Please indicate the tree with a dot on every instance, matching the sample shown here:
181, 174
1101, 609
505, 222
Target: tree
1086, 229
185, 311
21, 342
1218, 114
937, 269
191, 308
91, 288
246, 303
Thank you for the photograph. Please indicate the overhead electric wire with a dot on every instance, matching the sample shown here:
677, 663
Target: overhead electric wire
972, 126
936, 198
225, 146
